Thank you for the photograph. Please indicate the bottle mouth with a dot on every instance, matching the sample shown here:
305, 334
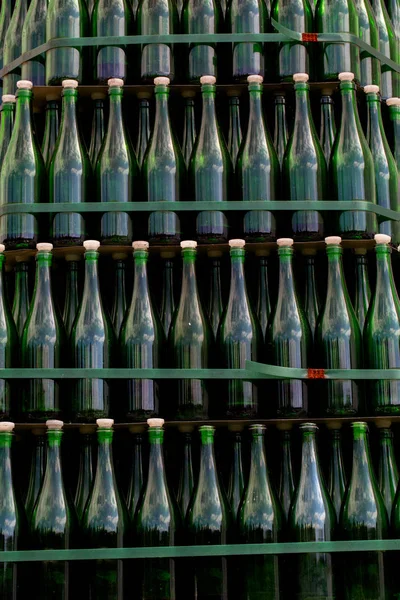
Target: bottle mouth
308, 427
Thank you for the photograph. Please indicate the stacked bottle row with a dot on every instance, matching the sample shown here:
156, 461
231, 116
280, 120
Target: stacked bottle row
251, 512
28, 29
364, 170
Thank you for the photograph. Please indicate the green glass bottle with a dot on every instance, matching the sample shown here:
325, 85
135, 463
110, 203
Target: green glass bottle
312, 519
352, 167
281, 134
388, 474
72, 295
363, 517
117, 171
144, 126
215, 305
362, 293
118, 309
327, 132
34, 35
6, 122
42, 344
208, 521
370, 70
393, 8
236, 475
263, 306
336, 474
247, 16
260, 520
382, 332
157, 18
293, 57
6, 11
189, 126
20, 307
286, 481
312, 305
289, 337
136, 478
85, 473
53, 523
191, 341
394, 115
157, 522
163, 170
257, 169
304, 166
389, 46
22, 175
105, 522
12, 44
186, 478
38, 466
98, 127
386, 174
200, 17
92, 344
66, 18
8, 345
168, 297
337, 16
51, 129
141, 342
11, 519
235, 131
210, 169
112, 19
239, 339
338, 337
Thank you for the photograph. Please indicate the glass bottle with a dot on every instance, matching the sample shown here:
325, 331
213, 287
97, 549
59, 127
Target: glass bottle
66, 18
338, 337
38, 467
8, 345
111, 19
7, 121
260, 520
34, 35
117, 171
388, 474
363, 517
263, 307
327, 132
189, 126
22, 175
199, 16
105, 522
12, 44
257, 169
118, 309
389, 46
168, 297
6, 11
70, 172
92, 344
312, 519
235, 131
53, 523
370, 70
312, 305
286, 482
289, 337
208, 521
337, 16
362, 295
141, 342
98, 127
157, 522
72, 296
336, 477
393, 8
394, 115
144, 126
386, 174
85, 473
42, 344
382, 333
304, 166
51, 129
236, 476
210, 170
292, 57
191, 343
136, 478
281, 133
352, 168
163, 170
20, 307
186, 477
215, 306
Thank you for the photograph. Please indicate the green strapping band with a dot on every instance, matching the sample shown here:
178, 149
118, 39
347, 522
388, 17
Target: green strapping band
274, 372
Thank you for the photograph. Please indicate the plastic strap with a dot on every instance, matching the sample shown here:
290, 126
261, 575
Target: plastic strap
274, 372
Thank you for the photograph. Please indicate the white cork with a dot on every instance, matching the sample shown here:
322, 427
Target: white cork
44, 247
301, 77
24, 84
98, 96
140, 245
346, 76
237, 243
69, 83
54, 424
2, 248
91, 245
285, 242
393, 101
161, 81
155, 422
333, 240
6, 426
8, 98
208, 79
371, 89
382, 238
188, 244
255, 79
115, 82
105, 423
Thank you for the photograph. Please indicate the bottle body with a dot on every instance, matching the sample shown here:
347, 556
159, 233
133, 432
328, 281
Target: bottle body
34, 35
370, 71
247, 16
199, 16
292, 57
8, 348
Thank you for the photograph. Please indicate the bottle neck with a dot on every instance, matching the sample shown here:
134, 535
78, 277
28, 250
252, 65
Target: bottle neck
235, 133
209, 117
141, 286
286, 280
362, 283
161, 122
208, 472
53, 463
105, 466
189, 132
303, 122
258, 462
5, 464
361, 456
280, 129
156, 458
384, 275
238, 282
189, 282
256, 117
336, 283
23, 113
68, 115
350, 119
7, 119
309, 458
42, 292
115, 121
91, 290
375, 130
327, 117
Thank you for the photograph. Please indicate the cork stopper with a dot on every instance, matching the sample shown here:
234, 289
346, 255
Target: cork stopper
2, 248
371, 89
188, 244
346, 76
69, 83
300, 77
285, 242
382, 238
54, 425
155, 422
393, 101
6, 427
24, 84
140, 245
255, 79
91, 245
105, 423
333, 240
208, 80
161, 81
237, 243
8, 98
44, 247
115, 82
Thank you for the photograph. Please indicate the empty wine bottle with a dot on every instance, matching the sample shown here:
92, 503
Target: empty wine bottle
235, 130
6, 11
304, 166
105, 521
239, 339
42, 344
167, 309
382, 332
117, 171
236, 476
289, 337
286, 482
92, 344
111, 19
85, 473
20, 307
72, 296
34, 35
98, 127
22, 175
51, 129
157, 522
38, 466
338, 337
8, 344
186, 477
6, 123
362, 294
281, 135
312, 519
12, 44
118, 309
394, 113
53, 523
189, 127
136, 478
208, 521
352, 168
336, 473
388, 474
144, 126
257, 169
201, 17
389, 46
370, 70
263, 307
70, 172
393, 7
141, 342
363, 517
215, 306
163, 170
312, 305
292, 57
66, 18
327, 132
386, 174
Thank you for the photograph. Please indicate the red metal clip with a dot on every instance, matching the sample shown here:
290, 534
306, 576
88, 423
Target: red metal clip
316, 374
309, 37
